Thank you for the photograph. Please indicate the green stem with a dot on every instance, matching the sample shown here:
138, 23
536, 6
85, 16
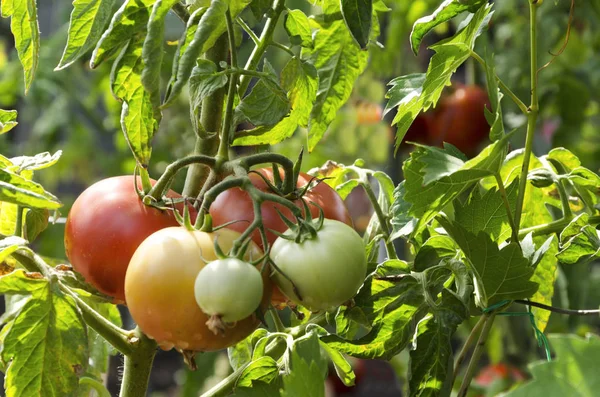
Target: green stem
138, 365
283, 47
389, 246
264, 158
279, 327
564, 199
223, 152
473, 364
146, 185
207, 142
532, 113
467, 346
513, 226
554, 226
19, 222
97, 386
159, 188
248, 30
503, 86
265, 40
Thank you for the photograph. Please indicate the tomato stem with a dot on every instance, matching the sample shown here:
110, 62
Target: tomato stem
489, 321
554, 226
532, 112
564, 199
207, 140
264, 158
138, 365
158, 190
465, 349
389, 246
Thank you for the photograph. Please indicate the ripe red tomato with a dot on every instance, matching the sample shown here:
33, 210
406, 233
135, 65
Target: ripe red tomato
235, 205
418, 131
105, 226
460, 120
160, 287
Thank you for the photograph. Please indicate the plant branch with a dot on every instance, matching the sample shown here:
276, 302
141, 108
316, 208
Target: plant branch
464, 387
568, 312
389, 246
554, 226
503, 86
248, 30
283, 47
138, 365
265, 40
159, 188
532, 112
465, 349
564, 199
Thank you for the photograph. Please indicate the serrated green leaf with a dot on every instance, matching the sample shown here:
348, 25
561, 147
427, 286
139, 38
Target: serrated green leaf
358, 17
8, 120
34, 163
431, 356
47, 338
152, 50
545, 275
572, 373
300, 80
129, 20
25, 29
88, 19
449, 55
402, 223
139, 115
428, 201
392, 301
339, 62
263, 369
501, 274
579, 242
17, 190
204, 81
343, 368
9, 245
445, 12
266, 104
210, 27
487, 213
36, 221
433, 251
297, 27
307, 370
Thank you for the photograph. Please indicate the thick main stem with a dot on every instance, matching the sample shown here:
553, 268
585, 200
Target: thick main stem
532, 112
211, 118
138, 365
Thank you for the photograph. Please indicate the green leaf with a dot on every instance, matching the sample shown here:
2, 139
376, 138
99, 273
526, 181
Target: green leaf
402, 223
8, 218
358, 16
300, 80
36, 221
266, 104
445, 12
204, 81
297, 27
579, 242
431, 357
18, 190
487, 213
343, 368
545, 275
130, 19
427, 201
501, 274
494, 118
449, 55
339, 62
34, 163
8, 120
139, 115
88, 20
211, 26
433, 251
25, 29
263, 369
307, 370
152, 50
47, 338
9, 245
392, 301
572, 373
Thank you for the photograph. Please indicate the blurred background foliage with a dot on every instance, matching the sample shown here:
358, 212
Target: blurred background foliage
73, 110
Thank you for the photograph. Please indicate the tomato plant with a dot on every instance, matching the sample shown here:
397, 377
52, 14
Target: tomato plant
321, 272
167, 263
106, 224
209, 98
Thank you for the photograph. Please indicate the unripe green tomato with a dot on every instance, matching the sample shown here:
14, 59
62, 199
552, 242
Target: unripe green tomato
327, 271
229, 288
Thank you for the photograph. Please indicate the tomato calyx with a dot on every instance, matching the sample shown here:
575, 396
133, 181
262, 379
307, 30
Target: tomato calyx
306, 228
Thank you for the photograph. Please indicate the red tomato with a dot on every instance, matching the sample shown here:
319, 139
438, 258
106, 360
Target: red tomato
418, 131
368, 113
234, 205
460, 120
106, 224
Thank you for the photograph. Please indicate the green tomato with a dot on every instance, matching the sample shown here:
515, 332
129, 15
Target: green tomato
326, 270
229, 288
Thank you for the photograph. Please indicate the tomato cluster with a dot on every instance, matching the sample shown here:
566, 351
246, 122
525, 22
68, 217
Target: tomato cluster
177, 284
